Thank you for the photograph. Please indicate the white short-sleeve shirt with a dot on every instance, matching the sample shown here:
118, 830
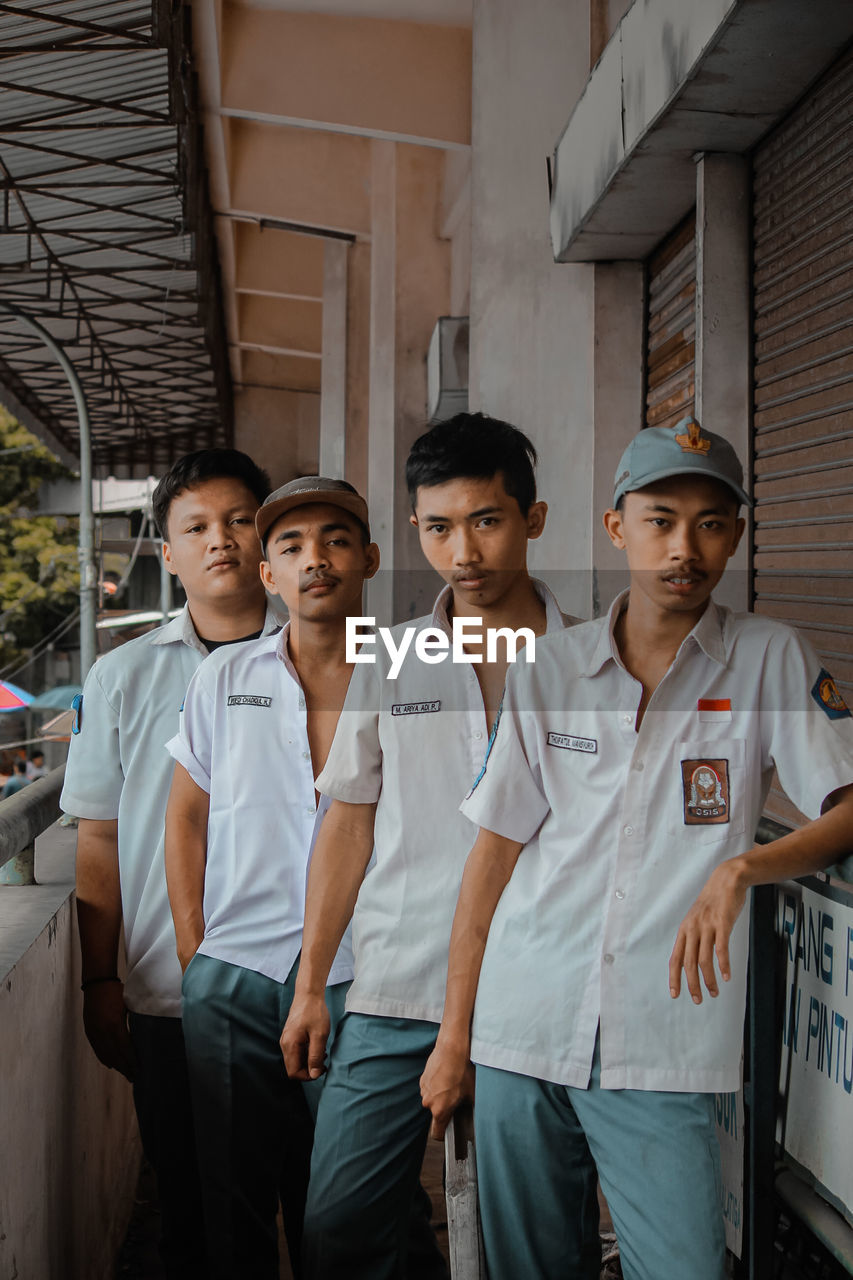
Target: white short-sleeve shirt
118, 767
622, 830
414, 745
243, 739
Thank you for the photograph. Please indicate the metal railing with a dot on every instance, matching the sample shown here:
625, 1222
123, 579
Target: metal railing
23, 818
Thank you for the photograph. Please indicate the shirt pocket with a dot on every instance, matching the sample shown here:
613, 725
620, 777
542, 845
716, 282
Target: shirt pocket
706, 791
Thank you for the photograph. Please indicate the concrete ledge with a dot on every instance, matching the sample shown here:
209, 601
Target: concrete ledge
67, 1127
678, 77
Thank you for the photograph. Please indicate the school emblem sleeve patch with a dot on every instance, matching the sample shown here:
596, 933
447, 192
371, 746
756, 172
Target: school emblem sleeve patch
705, 786
827, 696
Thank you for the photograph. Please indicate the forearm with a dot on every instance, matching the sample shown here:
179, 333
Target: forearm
487, 872
98, 897
186, 859
821, 843
338, 864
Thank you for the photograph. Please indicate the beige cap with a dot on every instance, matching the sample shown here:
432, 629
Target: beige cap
308, 489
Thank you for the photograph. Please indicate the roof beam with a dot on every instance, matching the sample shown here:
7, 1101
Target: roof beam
407, 81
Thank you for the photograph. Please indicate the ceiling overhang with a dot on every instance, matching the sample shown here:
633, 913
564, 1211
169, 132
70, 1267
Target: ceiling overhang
678, 77
106, 234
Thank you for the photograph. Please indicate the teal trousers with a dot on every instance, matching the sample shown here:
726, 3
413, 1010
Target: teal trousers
658, 1160
254, 1126
366, 1217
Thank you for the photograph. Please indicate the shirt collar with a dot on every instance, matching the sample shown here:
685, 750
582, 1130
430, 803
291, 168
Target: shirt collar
180, 630
708, 634
554, 620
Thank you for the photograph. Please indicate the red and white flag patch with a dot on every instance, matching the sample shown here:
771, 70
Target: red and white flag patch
711, 709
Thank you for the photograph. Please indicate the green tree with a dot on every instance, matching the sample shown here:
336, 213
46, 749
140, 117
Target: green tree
39, 574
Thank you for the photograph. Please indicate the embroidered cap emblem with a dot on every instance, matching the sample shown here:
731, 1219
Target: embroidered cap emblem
694, 441
705, 784
826, 694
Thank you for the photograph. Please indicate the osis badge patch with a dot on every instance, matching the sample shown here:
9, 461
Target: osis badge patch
826, 695
705, 785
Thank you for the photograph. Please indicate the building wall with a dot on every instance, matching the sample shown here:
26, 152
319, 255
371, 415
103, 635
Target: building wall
280, 429
531, 320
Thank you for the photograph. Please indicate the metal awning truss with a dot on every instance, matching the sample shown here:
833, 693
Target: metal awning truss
105, 231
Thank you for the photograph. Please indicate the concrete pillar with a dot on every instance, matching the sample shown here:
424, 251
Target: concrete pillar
333, 377
618, 409
532, 320
381, 463
723, 319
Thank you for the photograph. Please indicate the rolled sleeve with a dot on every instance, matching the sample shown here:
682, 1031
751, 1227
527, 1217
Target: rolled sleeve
508, 797
192, 745
94, 777
353, 768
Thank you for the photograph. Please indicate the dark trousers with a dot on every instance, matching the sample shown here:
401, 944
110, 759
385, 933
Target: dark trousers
161, 1093
255, 1126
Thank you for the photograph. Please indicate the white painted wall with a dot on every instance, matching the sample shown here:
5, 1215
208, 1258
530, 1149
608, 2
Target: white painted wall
531, 320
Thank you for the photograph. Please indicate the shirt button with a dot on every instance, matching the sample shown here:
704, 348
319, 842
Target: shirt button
608, 959
478, 733
301, 703
629, 831
310, 812
619, 894
306, 755
627, 719
639, 766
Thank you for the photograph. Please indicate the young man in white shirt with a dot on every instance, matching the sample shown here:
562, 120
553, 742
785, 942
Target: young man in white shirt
117, 782
406, 751
626, 782
256, 728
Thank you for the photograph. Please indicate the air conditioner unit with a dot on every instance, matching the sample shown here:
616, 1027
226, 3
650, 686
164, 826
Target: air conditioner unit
447, 368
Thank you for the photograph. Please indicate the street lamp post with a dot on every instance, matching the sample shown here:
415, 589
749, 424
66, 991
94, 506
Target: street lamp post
86, 538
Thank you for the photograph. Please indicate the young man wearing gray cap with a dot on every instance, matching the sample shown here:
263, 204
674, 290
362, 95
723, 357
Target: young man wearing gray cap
625, 783
256, 728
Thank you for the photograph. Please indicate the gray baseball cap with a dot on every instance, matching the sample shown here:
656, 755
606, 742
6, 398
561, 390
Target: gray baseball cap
685, 449
308, 489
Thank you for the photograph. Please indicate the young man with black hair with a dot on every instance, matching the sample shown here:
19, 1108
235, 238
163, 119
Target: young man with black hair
626, 782
257, 725
117, 782
406, 751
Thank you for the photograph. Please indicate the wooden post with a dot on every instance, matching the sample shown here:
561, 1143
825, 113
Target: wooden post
467, 1261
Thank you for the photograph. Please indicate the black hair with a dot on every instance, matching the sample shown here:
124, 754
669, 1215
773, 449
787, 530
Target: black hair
194, 469
477, 446
34, 755
19, 766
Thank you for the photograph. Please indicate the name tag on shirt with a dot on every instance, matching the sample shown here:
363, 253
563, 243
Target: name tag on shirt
248, 700
414, 708
568, 742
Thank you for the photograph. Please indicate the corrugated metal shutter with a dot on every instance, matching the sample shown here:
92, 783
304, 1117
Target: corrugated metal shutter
803, 425
671, 327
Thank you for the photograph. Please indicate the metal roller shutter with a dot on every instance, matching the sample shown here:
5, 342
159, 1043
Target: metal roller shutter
803, 375
671, 327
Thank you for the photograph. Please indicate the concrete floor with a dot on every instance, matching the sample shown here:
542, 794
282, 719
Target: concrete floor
139, 1260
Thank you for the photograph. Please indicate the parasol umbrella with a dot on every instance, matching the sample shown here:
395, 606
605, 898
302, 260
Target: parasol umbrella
12, 698
56, 699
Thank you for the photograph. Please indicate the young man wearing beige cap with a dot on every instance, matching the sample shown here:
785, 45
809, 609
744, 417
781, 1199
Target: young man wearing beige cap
256, 728
626, 782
